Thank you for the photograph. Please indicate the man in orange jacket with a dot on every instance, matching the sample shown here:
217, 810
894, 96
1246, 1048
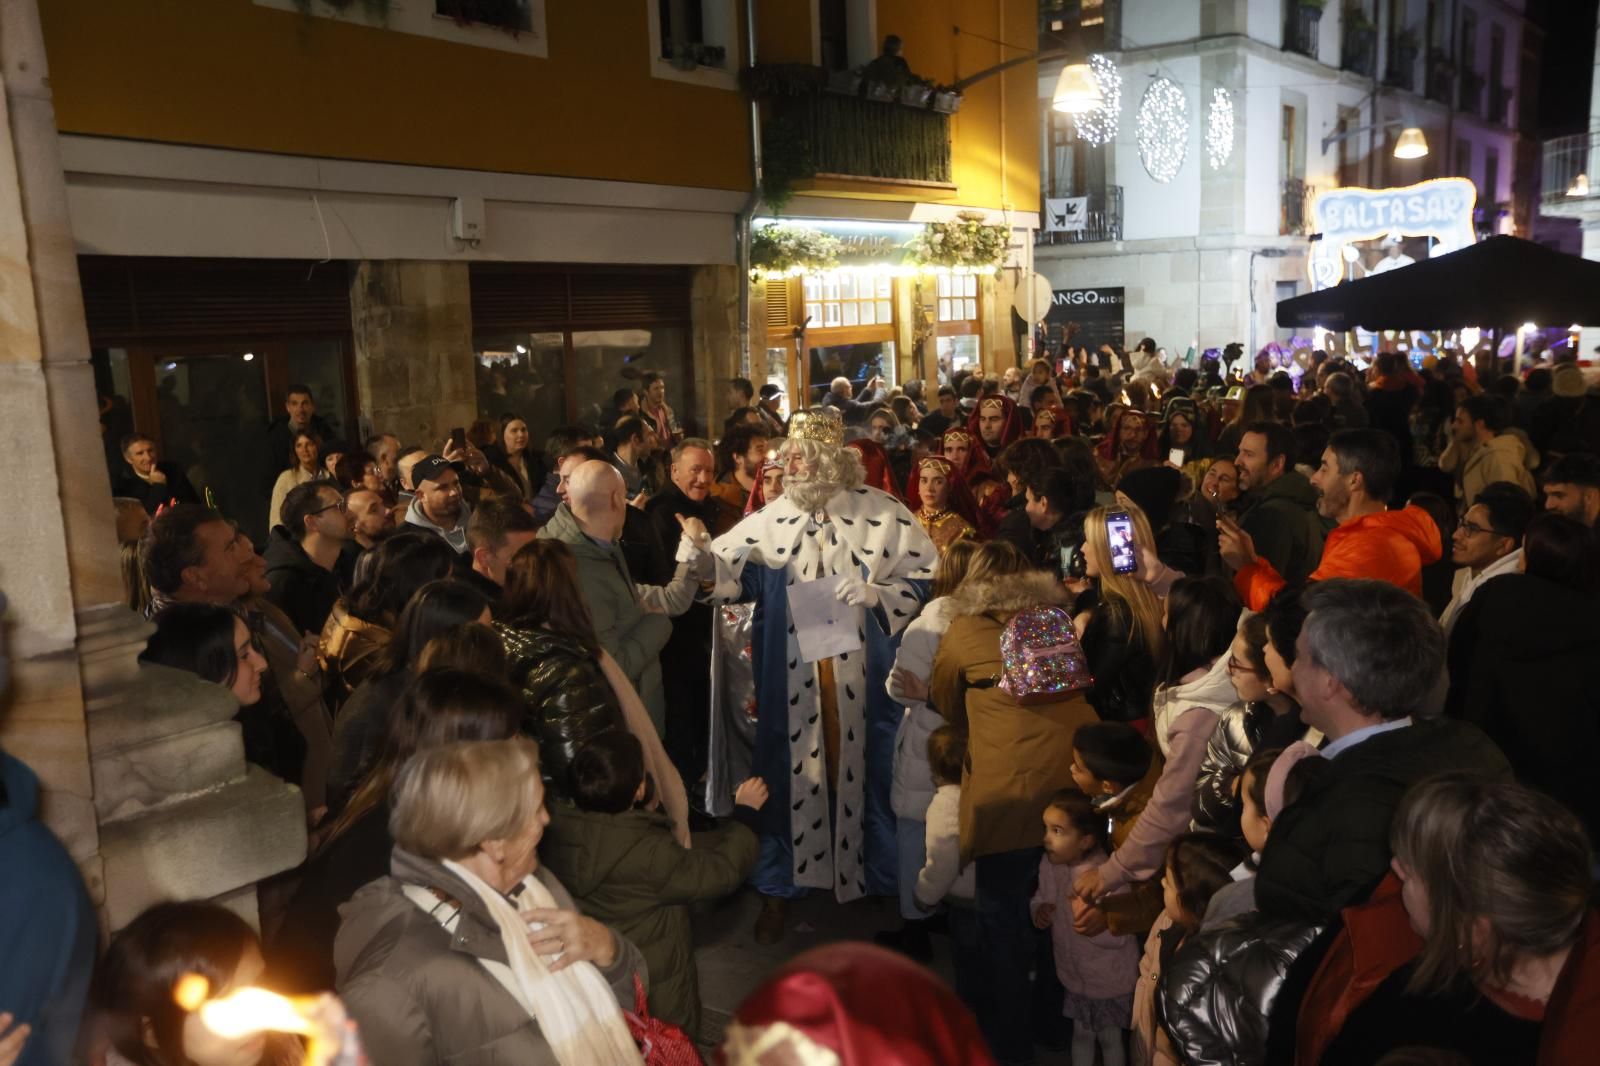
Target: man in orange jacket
1353, 484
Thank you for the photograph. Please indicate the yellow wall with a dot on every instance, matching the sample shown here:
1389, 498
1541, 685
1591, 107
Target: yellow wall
228, 73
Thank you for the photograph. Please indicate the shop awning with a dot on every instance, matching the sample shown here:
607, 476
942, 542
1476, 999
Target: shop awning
1500, 282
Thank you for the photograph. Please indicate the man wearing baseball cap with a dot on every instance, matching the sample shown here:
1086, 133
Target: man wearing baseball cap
771, 408
438, 507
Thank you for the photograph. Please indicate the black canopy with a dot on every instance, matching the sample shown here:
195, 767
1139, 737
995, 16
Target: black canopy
1499, 282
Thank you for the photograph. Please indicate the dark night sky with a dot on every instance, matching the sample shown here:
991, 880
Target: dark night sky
1566, 64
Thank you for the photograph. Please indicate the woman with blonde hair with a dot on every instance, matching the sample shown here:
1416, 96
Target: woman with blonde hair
470, 952
1119, 619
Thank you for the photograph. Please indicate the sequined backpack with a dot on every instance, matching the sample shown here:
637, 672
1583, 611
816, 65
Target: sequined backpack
1041, 659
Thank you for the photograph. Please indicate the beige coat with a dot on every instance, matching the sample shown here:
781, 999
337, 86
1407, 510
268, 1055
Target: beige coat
1016, 756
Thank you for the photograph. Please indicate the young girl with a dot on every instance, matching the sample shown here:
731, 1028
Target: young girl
1198, 866
912, 788
1098, 972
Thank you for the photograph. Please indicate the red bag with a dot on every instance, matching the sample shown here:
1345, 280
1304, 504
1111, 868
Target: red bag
660, 1043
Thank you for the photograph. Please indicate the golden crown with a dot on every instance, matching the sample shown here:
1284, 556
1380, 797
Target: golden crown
824, 427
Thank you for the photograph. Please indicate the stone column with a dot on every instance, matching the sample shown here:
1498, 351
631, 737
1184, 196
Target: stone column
714, 342
414, 356
73, 644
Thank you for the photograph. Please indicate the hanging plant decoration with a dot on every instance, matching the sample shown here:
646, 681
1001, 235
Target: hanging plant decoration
373, 10
968, 243
1099, 127
784, 250
1219, 129
1163, 129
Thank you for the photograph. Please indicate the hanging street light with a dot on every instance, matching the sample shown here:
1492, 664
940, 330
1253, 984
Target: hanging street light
1077, 90
1411, 145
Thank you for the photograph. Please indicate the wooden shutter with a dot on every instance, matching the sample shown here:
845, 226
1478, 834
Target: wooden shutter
155, 298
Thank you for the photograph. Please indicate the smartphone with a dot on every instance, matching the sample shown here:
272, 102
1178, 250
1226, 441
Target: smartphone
1119, 534
1072, 564
458, 438
1175, 457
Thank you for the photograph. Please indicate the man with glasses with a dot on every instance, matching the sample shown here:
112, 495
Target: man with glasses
1487, 542
303, 552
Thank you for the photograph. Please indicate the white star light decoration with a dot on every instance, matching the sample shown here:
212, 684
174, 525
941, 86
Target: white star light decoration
1219, 129
1163, 130
1099, 126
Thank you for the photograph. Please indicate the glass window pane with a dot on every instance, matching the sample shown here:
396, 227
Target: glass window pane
944, 310
972, 309
831, 318
944, 284
847, 286
114, 383
830, 287
884, 314
609, 359
867, 316
813, 287
850, 313
970, 285
884, 282
320, 365
956, 353
858, 362
520, 374
208, 404
814, 312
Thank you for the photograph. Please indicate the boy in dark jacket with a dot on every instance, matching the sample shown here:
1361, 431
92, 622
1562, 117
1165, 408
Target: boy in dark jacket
623, 867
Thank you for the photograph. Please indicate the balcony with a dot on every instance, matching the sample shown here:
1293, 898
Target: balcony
1102, 220
1469, 93
1401, 71
1359, 54
1095, 25
834, 129
1499, 105
1300, 25
1295, 207
1441, 78
1571, 182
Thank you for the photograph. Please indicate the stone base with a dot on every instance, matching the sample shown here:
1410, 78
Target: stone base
205, 846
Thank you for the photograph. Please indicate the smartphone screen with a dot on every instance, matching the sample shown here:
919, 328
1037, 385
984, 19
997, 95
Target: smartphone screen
1119, 534
1069, 555
458, 437
1175, 457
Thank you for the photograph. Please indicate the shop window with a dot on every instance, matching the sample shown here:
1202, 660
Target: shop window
958, 353
610, 359
842, 299
523, 374
858, 362
958, 298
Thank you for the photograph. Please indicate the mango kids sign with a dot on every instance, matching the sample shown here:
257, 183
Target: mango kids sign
1440, 208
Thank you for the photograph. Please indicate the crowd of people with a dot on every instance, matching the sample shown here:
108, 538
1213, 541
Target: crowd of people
1215, 714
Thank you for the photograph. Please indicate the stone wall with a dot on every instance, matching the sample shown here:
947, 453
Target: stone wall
412, 322
714, 337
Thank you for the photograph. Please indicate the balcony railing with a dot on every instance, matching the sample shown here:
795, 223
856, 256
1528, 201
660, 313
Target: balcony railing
1359, 54
1441, 78
1400, 71
1300, 25
1102, 221
1295, 207
1469, 93
1570, 169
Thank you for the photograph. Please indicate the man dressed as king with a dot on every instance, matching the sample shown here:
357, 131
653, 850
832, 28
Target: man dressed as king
825, 724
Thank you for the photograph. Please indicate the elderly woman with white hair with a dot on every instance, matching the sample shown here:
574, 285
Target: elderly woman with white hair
471, 953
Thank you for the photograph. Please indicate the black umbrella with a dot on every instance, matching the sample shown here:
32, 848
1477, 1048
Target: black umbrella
1499, 282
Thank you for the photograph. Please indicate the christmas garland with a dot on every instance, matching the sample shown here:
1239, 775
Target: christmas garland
781, 249
969, 242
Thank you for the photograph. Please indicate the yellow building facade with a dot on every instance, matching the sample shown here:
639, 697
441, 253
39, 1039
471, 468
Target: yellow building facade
439, 211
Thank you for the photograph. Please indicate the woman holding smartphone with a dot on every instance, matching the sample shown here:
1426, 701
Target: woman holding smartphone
1119, 618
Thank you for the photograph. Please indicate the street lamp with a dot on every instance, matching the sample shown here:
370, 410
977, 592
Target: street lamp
1411, 145
1077, 91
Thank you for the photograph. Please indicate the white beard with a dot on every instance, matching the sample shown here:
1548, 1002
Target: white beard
810, 496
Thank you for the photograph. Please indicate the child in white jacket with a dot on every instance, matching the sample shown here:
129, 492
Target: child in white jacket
912, 787
943, 879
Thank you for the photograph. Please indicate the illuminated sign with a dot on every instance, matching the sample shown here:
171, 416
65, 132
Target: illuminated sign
1440, 208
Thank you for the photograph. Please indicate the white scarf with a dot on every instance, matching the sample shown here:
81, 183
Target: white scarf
575, 1008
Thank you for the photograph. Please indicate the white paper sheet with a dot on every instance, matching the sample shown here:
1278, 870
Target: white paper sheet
823, 625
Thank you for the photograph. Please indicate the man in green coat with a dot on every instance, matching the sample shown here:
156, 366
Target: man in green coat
1279, 509
589, 523
624, 869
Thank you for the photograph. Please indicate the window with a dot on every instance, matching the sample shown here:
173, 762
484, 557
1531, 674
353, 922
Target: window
504, 25
694, 41
958, 297
841, 300
833, 32
1490, 192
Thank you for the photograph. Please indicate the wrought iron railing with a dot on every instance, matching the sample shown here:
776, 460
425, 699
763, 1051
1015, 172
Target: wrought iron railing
1300, 25
1295, 206
1102, 219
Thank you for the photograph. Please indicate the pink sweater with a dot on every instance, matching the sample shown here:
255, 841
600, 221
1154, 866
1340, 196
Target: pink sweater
1096, 967
1170, 809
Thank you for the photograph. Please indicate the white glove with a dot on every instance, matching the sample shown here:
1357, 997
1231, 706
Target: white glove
857, 593
689, 551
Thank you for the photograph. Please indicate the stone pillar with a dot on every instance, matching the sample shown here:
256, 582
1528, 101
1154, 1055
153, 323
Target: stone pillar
714, 342
73, 644
414, 357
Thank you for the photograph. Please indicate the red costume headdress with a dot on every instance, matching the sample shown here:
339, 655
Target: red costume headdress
758, 496
1010, 429
1060, 422
853, 1004
876, 461
958, 498
977, 467
1108, 449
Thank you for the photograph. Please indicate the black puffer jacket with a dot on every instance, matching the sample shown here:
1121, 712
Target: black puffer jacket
567, 698
1217, 993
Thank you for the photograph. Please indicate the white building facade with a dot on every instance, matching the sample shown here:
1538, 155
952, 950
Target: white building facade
1199, 208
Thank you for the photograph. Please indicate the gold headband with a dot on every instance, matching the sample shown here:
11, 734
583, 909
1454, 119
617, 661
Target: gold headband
944, 465
824, 427
994, 402
960, 436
